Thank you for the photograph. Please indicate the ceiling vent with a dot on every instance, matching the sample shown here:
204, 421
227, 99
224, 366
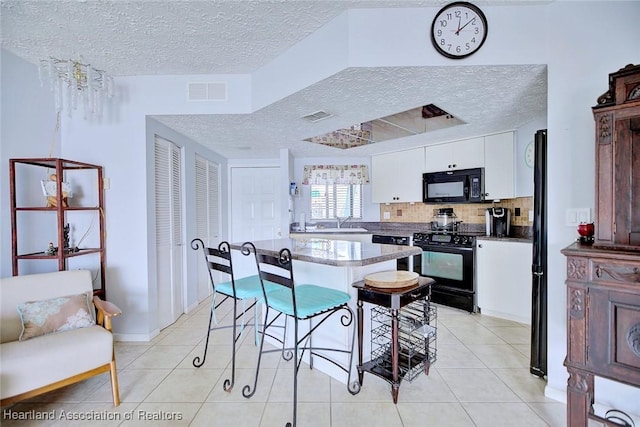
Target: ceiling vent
317, 116
212, 91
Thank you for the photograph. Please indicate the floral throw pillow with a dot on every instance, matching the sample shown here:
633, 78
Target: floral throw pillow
56, 315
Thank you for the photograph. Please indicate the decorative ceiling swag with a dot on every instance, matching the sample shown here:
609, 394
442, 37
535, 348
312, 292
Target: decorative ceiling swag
335, 174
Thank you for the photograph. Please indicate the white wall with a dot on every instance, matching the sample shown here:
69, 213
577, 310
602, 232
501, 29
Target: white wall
581, 42
27, 129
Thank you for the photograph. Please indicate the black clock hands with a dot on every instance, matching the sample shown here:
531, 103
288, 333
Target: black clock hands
460, 29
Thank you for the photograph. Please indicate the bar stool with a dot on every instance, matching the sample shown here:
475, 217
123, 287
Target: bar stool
246, 288
299, 302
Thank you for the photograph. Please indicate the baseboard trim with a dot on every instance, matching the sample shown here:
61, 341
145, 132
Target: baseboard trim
556, 394
136, 337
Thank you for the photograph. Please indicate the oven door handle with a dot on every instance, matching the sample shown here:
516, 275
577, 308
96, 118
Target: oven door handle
435, 248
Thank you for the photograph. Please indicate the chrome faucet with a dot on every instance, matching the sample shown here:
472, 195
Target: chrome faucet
343, 220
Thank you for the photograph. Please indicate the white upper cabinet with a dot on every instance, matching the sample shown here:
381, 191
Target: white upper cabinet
499, 169
465, 154
397, 177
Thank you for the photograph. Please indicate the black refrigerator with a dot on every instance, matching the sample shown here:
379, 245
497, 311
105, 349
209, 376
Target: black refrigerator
538, 362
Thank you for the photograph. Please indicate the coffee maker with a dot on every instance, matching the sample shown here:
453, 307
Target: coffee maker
498, 222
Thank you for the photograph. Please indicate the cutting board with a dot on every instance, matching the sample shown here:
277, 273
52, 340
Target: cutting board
391, 279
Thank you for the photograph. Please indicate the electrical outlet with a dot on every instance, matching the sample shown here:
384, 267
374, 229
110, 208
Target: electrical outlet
517, 211
386, 215
531, 215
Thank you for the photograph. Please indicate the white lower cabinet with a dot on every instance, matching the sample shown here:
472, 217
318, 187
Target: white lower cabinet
397, 177
503, 274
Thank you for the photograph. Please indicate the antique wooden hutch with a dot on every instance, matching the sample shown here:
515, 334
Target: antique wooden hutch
603, 278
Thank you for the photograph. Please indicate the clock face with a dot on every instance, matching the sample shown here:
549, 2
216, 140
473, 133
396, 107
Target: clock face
458, 30
529, 154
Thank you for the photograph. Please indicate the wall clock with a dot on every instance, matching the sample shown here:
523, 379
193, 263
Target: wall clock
529, 153
458, 30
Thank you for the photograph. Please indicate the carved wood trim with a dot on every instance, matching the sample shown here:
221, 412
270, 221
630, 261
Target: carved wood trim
633, 339
578, 381
576, 303
604, 131
624, 276
634, 94
576, 268
609, 97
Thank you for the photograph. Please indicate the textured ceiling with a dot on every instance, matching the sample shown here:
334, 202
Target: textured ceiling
215, 37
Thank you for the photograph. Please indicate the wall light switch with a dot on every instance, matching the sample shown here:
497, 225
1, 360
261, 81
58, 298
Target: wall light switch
386, 215
584, 215
571, 217
106, 183
531, 215
574, 216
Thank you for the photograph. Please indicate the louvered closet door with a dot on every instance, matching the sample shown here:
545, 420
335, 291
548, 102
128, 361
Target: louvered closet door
169, 235
207, 217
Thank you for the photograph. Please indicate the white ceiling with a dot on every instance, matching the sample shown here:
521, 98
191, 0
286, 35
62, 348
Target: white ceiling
167, 37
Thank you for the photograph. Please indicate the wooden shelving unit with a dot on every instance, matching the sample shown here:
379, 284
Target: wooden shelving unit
63, 170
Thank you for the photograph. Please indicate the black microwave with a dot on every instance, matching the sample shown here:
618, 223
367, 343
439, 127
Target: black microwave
458, 186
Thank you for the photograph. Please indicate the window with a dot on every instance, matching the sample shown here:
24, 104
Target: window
330, 201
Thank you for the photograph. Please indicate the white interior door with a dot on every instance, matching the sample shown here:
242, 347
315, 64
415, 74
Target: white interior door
207, 217
255, 204
169, 235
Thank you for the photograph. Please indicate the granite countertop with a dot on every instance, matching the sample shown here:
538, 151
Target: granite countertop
407, 229
340, 253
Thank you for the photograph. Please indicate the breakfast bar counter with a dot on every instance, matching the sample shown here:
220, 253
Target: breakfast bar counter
334, 264
338, 253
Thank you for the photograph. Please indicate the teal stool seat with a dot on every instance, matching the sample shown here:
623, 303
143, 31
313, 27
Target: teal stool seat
246, 288
310, 300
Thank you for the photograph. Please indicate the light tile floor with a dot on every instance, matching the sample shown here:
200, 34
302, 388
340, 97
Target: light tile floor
481, 378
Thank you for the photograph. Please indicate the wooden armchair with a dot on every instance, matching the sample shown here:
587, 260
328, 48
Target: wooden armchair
35, 353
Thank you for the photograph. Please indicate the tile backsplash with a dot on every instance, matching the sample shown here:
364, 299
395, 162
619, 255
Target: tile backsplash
467, 213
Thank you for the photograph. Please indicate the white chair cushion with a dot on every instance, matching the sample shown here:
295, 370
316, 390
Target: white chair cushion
65, 354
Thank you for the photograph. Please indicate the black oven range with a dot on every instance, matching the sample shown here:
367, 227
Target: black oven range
448, 257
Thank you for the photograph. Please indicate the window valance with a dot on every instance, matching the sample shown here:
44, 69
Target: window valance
335, 174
